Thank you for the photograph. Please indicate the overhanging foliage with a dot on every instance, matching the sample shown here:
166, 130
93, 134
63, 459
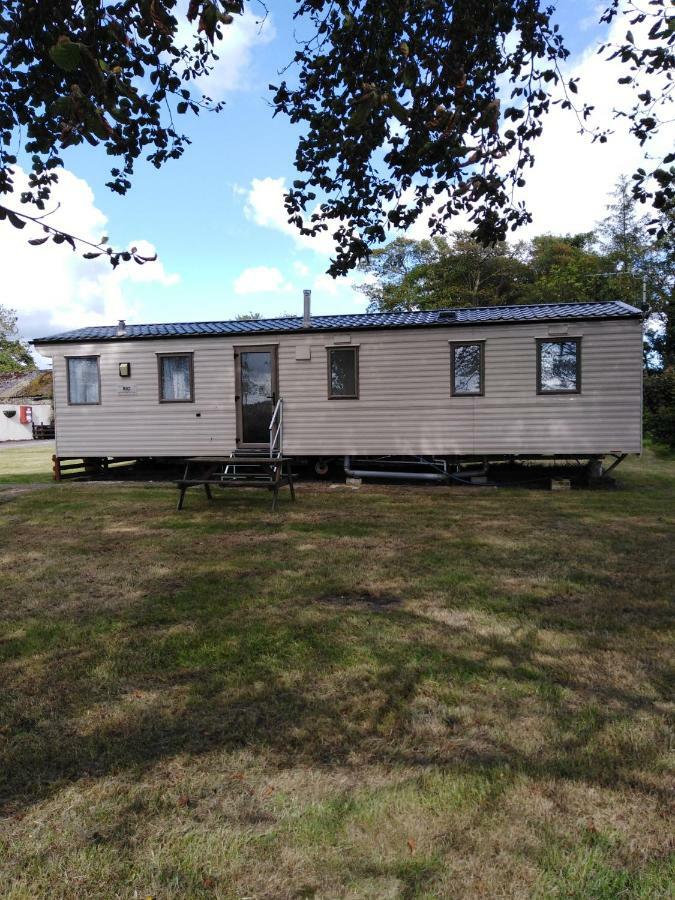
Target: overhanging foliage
407, 108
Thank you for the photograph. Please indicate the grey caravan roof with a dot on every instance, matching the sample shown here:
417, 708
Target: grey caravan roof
474, 315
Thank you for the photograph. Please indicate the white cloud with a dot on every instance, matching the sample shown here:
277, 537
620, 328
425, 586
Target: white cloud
567, 189
234, 68
341, 293
300, 268
51, 287
261, 280
325, 284
265, 206
593, 18
265, 202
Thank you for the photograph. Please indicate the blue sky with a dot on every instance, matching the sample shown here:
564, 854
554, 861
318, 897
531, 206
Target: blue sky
215, 216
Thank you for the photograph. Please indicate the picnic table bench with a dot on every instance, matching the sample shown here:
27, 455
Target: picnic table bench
271, 472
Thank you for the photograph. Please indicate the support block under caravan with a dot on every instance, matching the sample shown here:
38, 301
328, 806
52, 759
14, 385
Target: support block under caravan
594, 468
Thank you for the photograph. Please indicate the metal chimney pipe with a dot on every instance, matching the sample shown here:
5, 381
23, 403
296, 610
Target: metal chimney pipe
121, 328
307, 309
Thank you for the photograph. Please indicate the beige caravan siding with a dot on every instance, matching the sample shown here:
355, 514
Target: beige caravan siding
405, 406
134, 422
404, 403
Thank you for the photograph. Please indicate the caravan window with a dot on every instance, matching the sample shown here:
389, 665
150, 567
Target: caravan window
558, 366
343, 373
176, 378
84, 382
467, 369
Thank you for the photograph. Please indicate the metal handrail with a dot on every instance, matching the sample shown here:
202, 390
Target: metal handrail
277, 430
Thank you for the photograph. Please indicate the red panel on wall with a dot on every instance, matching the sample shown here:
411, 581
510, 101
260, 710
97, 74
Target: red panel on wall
25, 415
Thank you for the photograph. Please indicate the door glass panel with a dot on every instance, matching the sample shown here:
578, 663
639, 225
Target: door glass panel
257, 402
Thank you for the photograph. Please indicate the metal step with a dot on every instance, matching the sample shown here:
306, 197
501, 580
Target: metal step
247, 472
262, 451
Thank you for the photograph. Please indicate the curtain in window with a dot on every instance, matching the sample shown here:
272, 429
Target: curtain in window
176, 378
83, 380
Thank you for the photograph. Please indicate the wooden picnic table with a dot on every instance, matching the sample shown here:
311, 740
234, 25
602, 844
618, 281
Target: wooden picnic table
271, 472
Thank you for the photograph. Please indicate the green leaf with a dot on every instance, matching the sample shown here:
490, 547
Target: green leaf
98, 126
359, 117
399, 111
182, 107
35, 242
65, 54
410, 75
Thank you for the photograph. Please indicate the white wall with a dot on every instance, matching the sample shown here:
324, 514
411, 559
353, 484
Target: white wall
11, 429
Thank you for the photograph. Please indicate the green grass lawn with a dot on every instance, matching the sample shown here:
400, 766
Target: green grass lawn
385, 693
28, 461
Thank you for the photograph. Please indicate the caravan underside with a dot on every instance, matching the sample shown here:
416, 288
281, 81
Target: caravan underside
448, 469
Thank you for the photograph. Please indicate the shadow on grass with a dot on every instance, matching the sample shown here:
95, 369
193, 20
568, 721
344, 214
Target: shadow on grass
214, 665
496, 662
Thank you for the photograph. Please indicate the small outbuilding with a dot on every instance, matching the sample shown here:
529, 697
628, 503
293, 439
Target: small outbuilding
26, 408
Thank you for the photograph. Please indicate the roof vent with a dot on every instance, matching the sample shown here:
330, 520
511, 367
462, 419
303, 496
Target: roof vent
121, 328
447, 315
307, 309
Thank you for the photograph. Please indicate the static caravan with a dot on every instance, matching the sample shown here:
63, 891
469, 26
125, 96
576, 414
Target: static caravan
498, 382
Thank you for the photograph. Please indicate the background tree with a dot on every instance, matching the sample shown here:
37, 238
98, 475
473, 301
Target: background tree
627, 247
641, 268
566, 268
14, 354
659, 405
621, 260
391, 283
400, 104
438, 273
661, 299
